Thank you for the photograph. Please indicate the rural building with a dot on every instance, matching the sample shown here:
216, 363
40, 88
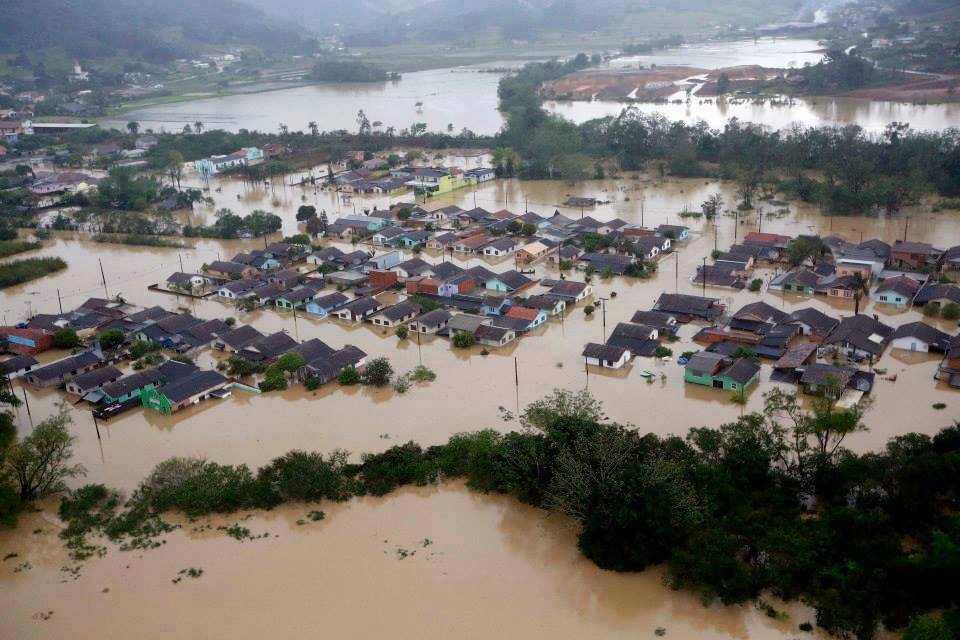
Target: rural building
721, 372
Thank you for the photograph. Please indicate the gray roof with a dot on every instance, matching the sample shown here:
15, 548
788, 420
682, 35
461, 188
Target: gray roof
241, 337
603, 351
705, 362
434, 318
513, 279
688, 305
62, 367
400, 310
132, 382
16, 363
196, 383
362, 306
742, 370
97, 377
922, 331
819, 322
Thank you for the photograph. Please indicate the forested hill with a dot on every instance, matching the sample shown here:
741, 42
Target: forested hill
149, 30
368, 23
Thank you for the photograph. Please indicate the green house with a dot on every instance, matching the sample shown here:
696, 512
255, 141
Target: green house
132, 386
296, 298
182, 393
721, 372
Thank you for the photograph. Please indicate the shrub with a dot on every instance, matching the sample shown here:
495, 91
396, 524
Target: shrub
405, 464
274, 380
424, 374
755, 285
463, 340
349, 377
662, 352
312, 383
746, 353
240, 366
378, 373
140, 348
588, 310
931, 310
402, 384
66, 338
306, 477
110, 339
402, 332
185, 359
19, 271
951, 311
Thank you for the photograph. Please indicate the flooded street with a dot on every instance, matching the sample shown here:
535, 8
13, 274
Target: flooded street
493, 564
466, 97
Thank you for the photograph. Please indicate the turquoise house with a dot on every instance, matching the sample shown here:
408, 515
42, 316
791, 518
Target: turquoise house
898, 291
721, 372
131, 386
326, 305
296, 298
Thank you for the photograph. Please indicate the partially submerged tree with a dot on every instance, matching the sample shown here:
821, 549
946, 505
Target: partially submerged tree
40, 463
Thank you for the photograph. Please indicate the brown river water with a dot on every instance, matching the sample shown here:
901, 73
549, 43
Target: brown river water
466, 97
495, 567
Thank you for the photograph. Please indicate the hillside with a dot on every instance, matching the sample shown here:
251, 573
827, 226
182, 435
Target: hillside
154, 31
369, 23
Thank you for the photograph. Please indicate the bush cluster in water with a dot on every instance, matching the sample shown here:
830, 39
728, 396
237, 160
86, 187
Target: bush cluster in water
770, 503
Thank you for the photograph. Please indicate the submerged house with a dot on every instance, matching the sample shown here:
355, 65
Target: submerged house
686, 307
327, 304
920, 336
721, 372
192, 389
59, 372
431, 322
91, 381
858, 337
606, 355
949, 369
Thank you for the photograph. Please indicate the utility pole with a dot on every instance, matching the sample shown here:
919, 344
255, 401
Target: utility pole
703, 275
26, 402
760, 220
676, 271
516, 373
736, 221
95, 425
906, 225
715, 235
59, 301
103, 275
603, 309
181, 261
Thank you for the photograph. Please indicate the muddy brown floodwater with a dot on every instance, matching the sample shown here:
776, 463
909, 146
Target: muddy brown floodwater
495, 567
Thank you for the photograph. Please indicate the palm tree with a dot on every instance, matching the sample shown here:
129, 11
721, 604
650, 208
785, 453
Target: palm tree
314, 129
187, 128
860, 287
198, 127
133, 127
284, 129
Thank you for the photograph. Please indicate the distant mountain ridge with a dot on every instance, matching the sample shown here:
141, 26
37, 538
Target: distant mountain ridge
152, 30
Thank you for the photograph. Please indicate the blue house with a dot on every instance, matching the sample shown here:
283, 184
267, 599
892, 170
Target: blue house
495, 306
899, 291
508, 282
532, 317
413, 238
326, 305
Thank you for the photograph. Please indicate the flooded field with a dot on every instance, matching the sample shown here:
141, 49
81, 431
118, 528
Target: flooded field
467, 97
418, 571
482, 544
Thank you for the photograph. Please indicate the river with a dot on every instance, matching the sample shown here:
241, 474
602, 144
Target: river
466, 97
497, 566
